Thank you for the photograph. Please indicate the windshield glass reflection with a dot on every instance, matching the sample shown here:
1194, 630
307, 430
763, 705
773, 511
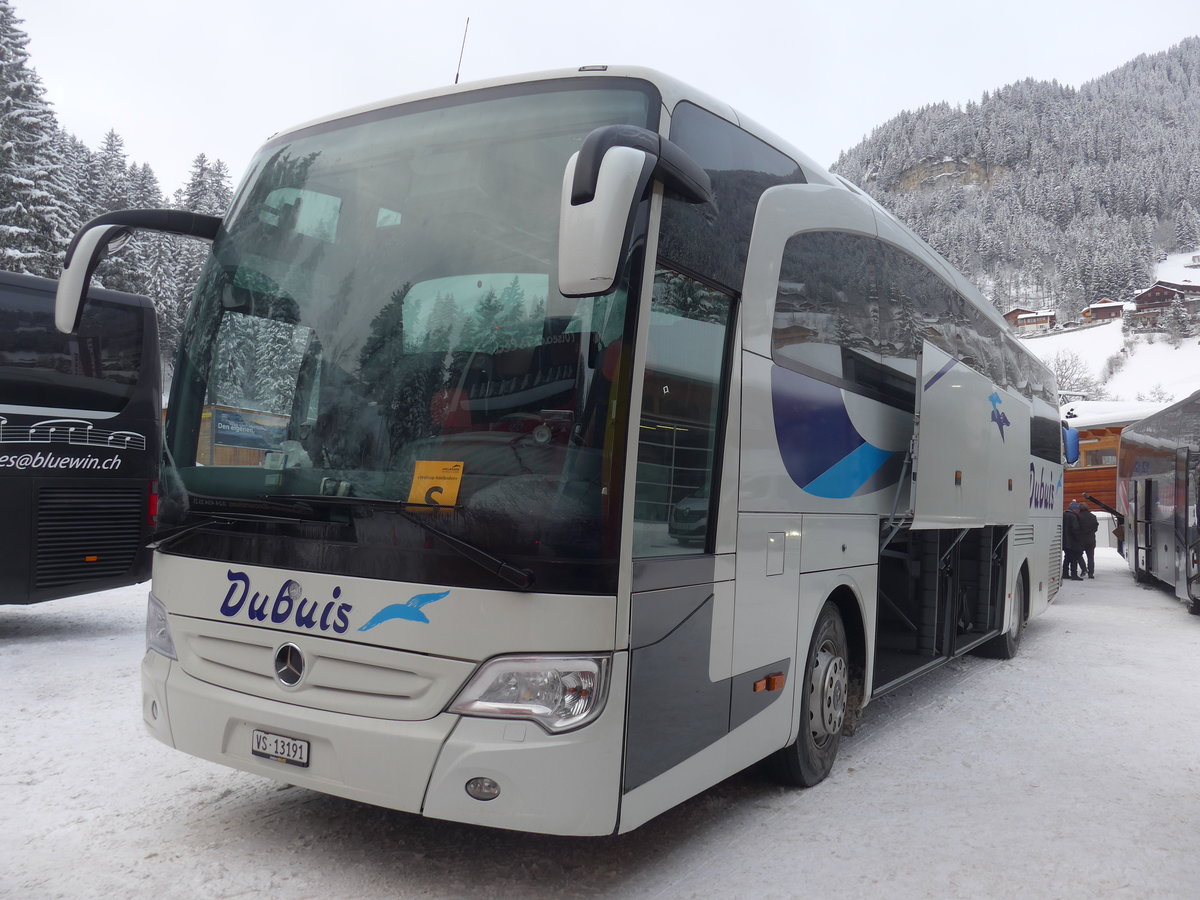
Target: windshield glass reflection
379, 320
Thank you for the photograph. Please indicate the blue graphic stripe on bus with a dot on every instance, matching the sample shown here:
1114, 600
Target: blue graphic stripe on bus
410, 610
851, 473
821, 449
940, 372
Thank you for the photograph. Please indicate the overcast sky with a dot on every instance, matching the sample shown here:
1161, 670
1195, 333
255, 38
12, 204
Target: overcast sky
220, 76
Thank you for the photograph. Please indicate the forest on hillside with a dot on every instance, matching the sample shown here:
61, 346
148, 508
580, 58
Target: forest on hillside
51, 183
1047, 195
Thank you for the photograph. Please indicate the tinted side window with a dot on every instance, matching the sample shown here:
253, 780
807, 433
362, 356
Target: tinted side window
1016, 367
712, 240
1045, 438
830, 319
95, 369
683, 400
933, 310
928, 307
983, 340
825, 300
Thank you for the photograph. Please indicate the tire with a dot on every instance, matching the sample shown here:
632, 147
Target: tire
1005, 646
824, 700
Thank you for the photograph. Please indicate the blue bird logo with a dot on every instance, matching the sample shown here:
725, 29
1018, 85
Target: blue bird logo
410, 610
998, 417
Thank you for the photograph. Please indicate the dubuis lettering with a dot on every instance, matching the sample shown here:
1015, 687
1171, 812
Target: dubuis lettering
1042, 493
288, 605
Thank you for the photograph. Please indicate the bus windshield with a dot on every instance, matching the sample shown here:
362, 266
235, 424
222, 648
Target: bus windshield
379, 320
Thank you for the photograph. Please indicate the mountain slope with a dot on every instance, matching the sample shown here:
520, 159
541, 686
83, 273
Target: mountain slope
1046, 194
1146, 369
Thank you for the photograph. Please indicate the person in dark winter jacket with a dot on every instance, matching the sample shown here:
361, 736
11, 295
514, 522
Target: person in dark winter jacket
1072, 543
1088, 526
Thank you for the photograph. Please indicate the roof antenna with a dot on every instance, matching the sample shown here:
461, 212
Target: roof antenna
461, 49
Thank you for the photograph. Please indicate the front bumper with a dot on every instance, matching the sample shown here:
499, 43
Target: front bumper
565, 784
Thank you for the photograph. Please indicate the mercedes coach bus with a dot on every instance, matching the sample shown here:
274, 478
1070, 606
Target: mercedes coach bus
546, 450
1158, 488
79, 442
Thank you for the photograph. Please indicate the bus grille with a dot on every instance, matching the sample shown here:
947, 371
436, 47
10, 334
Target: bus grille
1056, 562
340, 676
86, 533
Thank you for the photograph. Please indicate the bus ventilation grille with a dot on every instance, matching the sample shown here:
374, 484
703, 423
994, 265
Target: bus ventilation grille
1022, 535
86, 533
1056, 561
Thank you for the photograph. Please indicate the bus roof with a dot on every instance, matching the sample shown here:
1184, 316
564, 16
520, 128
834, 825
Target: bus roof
672, 90
1176, 426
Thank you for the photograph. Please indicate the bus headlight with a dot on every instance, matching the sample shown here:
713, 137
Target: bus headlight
158, 630
560, 693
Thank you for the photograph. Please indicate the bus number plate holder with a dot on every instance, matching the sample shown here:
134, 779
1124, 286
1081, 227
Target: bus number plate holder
292, 751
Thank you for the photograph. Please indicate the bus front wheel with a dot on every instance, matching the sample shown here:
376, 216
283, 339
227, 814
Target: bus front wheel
824, 699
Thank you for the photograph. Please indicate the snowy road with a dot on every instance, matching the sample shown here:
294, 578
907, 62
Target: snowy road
1072, 771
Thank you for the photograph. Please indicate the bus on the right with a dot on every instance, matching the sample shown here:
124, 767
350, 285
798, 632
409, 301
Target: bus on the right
1158, 481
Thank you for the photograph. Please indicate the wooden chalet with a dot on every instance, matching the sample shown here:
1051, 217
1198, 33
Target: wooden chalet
1103, 311
1039, 320
1011, 316
1099, 423
1154, 300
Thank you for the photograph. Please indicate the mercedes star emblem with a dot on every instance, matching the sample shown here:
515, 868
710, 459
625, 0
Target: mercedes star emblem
289, 665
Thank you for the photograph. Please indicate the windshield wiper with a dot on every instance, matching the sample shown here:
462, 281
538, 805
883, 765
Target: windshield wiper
161, 538
522, 579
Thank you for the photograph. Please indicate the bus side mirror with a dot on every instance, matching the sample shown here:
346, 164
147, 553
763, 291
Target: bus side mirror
90, 246
106, 234
1071, 445
602, 185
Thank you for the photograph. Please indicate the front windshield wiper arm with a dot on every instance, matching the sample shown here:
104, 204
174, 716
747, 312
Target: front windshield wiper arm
522, 579
168, 536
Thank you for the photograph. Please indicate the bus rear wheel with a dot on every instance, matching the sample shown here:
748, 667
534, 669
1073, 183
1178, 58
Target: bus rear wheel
825, 686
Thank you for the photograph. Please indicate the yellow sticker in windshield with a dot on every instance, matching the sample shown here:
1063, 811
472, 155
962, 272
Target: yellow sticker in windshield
435, 482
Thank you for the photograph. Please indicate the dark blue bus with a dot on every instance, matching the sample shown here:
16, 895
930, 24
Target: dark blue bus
79, 442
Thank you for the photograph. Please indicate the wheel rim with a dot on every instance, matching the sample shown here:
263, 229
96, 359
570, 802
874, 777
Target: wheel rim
827, 692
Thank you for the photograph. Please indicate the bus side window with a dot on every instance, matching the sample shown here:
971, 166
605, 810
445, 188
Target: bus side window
682, 403
931, 309
824, 303
836, 321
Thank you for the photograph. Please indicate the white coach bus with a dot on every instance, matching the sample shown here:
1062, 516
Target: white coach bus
1158, 490
543, 451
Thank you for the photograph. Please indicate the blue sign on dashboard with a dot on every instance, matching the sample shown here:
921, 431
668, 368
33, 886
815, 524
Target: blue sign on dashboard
233, 428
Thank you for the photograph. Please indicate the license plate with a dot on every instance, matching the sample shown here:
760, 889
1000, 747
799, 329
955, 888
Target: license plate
292, 751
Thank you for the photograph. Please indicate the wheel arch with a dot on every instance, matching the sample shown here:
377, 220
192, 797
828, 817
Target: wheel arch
849, 606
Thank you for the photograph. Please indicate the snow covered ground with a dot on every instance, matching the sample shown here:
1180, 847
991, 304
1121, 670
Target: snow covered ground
1148, 366
1071, 771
